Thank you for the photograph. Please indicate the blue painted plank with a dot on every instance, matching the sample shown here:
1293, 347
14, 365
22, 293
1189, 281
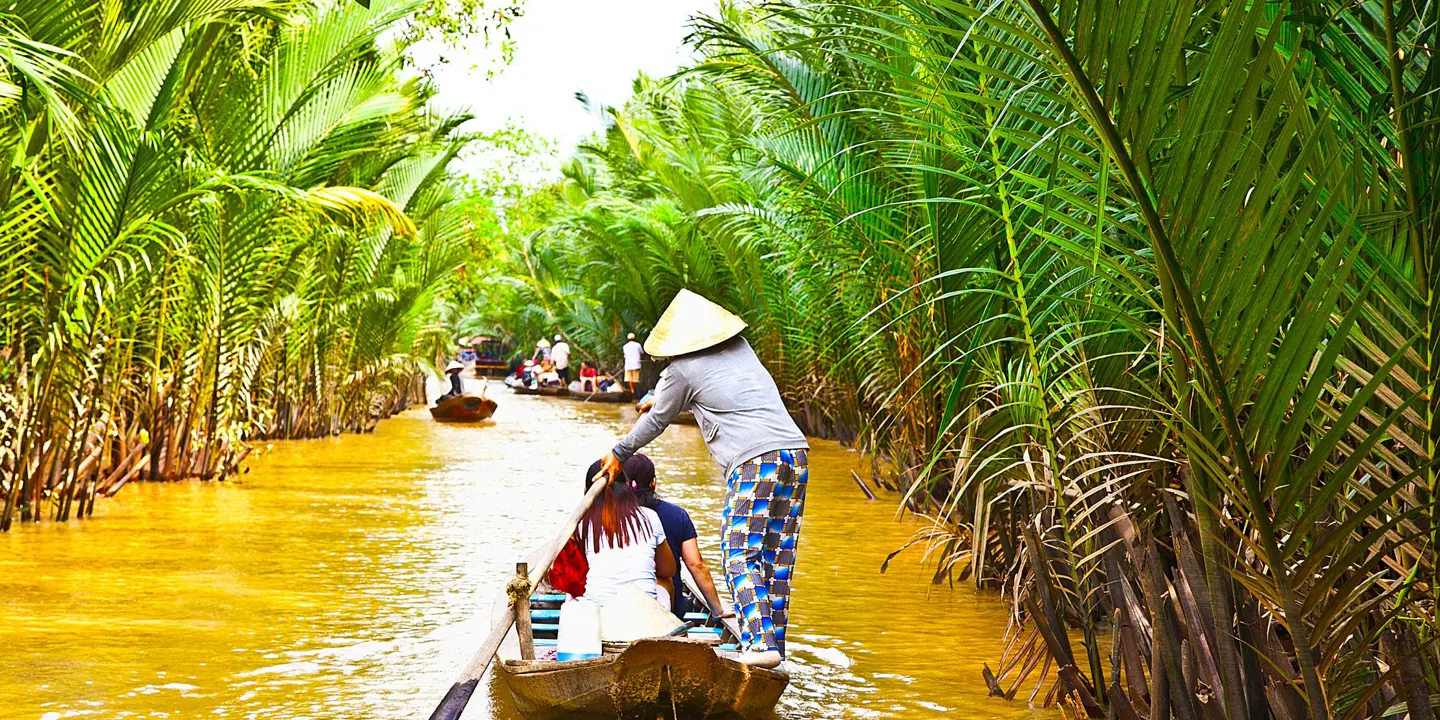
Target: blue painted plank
696, 617
547, 598
544, 615
546, 642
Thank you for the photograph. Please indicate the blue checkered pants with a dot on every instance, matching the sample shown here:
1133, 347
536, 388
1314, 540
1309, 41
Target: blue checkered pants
764, 499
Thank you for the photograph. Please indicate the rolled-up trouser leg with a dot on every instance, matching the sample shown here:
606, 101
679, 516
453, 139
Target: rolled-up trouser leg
764, 502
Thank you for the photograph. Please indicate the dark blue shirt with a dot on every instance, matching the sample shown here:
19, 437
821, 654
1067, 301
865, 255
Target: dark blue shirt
678, 529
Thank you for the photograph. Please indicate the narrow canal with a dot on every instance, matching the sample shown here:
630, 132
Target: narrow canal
352, 577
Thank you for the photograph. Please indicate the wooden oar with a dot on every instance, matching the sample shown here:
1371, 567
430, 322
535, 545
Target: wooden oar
459, 694
730, 623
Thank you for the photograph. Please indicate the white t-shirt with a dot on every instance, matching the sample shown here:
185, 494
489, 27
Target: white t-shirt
560, 355
613, 568
632, 355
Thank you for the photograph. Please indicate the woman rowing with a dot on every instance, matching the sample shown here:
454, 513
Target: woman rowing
714, 374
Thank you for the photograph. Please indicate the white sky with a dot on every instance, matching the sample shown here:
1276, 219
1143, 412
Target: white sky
597, 46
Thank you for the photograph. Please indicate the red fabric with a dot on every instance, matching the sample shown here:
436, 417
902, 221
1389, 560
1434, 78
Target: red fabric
567, 573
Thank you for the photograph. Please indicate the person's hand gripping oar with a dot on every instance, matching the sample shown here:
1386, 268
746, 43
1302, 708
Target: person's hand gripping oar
458, 696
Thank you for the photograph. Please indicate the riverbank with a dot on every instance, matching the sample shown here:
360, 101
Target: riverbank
350, 574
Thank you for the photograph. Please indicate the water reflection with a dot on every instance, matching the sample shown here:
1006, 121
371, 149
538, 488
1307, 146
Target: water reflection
351, 577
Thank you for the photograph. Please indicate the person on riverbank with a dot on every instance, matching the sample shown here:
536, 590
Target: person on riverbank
632, 351
624, 544
457, 386
560, 355
714, 374
679, 533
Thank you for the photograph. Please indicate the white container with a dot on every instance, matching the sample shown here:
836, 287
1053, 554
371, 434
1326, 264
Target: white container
579, 637
633, 614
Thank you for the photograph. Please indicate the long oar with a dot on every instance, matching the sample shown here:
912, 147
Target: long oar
730, 623
459, 694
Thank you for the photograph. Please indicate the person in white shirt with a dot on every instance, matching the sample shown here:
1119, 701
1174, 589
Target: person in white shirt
560, 355
632, 363
624, 545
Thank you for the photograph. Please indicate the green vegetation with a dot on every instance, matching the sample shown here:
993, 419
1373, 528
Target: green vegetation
219, 221
1133, 299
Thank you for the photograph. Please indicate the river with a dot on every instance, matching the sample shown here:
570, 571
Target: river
351, 577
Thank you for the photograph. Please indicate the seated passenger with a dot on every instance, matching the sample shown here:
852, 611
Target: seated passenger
640, 473
587, 377
624, 545
547, 374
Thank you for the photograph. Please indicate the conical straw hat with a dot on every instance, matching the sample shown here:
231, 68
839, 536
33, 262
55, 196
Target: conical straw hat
691, 324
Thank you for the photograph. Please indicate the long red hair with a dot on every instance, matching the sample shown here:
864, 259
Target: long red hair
615, 515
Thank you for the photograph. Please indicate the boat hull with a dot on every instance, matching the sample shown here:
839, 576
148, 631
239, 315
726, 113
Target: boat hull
650, 679
465, 408
603, 397
551, 391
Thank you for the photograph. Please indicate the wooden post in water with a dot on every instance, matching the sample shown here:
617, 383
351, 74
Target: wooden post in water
863, 487
520, 603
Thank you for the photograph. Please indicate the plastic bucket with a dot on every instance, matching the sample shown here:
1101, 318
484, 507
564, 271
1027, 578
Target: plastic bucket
579, 636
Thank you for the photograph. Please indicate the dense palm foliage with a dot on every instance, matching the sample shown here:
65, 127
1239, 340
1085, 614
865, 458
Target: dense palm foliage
1133, 299
219, 220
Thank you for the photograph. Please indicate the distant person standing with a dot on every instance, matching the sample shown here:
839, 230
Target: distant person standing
542, 351
560, 355
632, 363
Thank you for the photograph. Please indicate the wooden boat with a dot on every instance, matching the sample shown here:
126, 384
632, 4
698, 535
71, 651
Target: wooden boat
463, 408
547, 390
604, 397
601, 397
672, 678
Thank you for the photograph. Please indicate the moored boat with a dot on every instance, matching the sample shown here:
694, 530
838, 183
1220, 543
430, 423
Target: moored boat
463, 408
669, 677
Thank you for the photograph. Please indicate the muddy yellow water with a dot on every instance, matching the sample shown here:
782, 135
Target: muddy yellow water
351, 577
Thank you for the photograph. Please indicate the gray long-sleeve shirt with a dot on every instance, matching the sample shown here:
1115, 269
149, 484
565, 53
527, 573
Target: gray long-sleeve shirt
733, 398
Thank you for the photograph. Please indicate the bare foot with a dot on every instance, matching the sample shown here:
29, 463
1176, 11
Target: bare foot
764, 659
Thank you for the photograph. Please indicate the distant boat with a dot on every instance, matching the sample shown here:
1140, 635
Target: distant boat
550, 390
463, 409
606, 397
